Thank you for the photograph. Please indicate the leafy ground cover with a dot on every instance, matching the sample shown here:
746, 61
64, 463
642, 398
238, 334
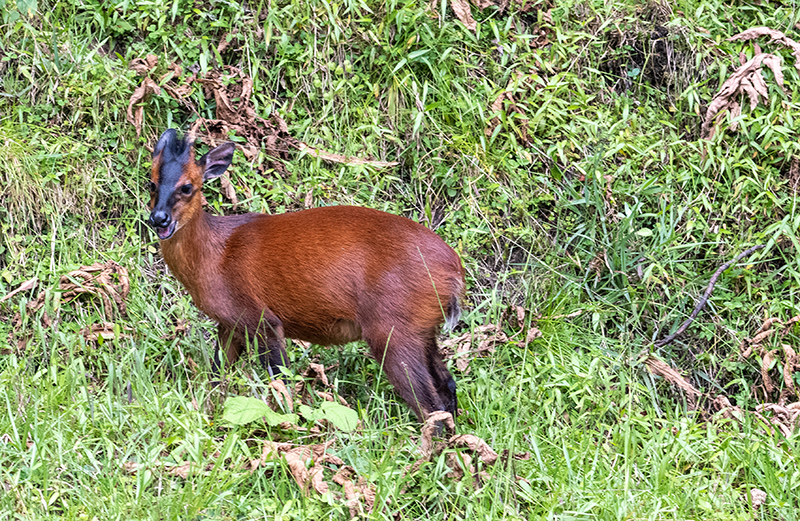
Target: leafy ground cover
593, 163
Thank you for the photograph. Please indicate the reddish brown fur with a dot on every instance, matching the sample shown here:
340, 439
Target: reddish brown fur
327, 275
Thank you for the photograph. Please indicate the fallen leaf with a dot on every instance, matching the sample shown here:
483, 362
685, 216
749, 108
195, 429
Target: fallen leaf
345, 160
314, 373
432, 425
281, 397
775, 36
757, 497
147, 88
463, 13
660, 368
305, 478
459, 348
356, 492
182, 470
228, 190
99, 280
477, 445
105, 331
25, 286
532, 335
193, 367
747, 79
143, 66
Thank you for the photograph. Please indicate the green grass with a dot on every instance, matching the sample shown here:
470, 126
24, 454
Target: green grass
594, 194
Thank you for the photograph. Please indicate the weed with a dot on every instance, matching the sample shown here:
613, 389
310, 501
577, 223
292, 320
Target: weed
556, 147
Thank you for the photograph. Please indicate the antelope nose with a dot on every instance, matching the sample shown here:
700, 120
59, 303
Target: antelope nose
159, 219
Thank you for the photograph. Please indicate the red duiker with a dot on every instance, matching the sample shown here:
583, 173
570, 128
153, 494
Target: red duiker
328, 275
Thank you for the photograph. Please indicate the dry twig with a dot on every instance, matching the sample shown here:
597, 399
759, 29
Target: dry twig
704, 299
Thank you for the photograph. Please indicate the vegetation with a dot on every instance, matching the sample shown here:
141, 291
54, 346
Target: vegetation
557, 147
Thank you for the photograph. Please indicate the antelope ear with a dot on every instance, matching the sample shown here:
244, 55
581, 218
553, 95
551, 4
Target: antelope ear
166, 138
217, 160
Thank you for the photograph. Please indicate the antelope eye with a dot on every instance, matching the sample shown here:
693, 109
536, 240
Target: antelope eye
186, 189
151, 187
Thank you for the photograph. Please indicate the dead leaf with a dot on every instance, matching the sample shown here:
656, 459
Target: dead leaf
477, 445
751, 92
463, 13
104, 330
483, 4
459, 348
359, 495
432, 426
179, 329
660, 368
458, 460
355, 493
519, 456
532, 335
791, 363
306, 478
317, 373
270, 451
228, 190
345, 160
23, 337
147, 88
182, 470
727, 410
784, 418
774, 64
768, 323
180, 92
757, 497
747, 79
281, 398
523, 6
569, 315
314, 373
99, 280
499, 105
25, 286
144, 66
775, 37
460, 463
495, 108
788, 324
174, 71
520, 311
193, 367
329, 397
235, 113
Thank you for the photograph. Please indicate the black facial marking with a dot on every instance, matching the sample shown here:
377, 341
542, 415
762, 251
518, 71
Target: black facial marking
174, 152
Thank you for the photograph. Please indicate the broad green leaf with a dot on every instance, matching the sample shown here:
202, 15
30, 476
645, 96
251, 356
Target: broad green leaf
343, 418
241, 410
27, 6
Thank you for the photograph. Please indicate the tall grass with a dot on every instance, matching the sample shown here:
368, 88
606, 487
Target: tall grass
590, 192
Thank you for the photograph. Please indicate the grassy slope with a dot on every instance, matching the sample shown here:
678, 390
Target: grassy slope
602, 161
